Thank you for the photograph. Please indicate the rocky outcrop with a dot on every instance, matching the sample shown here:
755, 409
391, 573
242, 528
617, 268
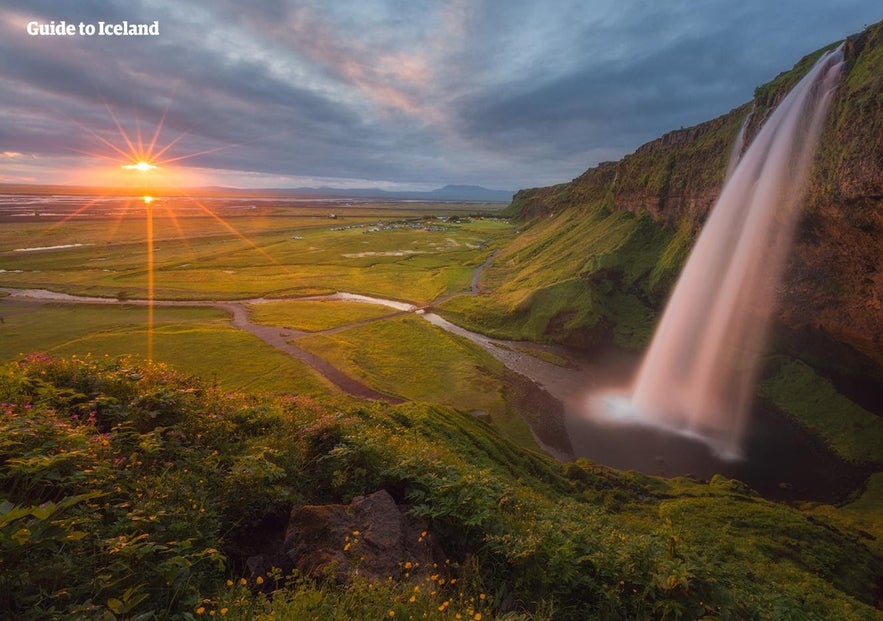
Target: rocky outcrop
372, 537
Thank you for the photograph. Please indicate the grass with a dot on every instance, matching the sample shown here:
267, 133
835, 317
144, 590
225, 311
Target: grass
315, 315
409, 357
581, 277
852, 432
150, 481
417, 259
196, 340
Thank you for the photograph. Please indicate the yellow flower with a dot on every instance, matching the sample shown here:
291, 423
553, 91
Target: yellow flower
346, 547
412, 599
356, 533
392, 613
243, 581
482, 596
223, 611
408, 565
477, 616
200, 610
229, 583
259, 580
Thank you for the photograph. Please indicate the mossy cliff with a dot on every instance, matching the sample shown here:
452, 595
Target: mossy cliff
596, 258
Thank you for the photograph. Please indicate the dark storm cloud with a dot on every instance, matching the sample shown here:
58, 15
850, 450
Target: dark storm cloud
411, 92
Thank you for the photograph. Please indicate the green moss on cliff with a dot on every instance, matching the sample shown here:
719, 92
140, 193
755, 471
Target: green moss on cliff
853, 432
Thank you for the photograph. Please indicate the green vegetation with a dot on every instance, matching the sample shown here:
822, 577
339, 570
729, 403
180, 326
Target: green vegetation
123, 486
315, 315
408, 357
852, 432
864, 515
196, 340
582, 277
418, 259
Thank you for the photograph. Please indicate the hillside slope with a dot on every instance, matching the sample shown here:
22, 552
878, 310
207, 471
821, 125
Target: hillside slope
132, 492
597, 256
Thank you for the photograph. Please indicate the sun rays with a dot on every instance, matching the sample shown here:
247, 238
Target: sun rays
149, 166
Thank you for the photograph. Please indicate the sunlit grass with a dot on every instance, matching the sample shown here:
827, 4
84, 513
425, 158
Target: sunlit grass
315, 315
197, 258
195, 340
409, 357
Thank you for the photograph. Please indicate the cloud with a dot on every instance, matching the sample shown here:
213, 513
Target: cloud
418, 92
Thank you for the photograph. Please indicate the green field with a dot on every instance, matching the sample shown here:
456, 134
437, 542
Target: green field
413, 253
199, 341
415, 259
315, 315
409, 357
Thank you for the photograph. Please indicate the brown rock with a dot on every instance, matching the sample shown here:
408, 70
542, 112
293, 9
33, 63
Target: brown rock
372, 537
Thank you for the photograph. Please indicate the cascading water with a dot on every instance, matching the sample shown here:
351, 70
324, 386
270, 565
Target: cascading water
699, 374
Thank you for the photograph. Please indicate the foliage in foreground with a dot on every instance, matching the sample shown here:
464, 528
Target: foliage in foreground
124, 489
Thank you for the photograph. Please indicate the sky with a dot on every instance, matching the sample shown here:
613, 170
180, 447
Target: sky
395, 94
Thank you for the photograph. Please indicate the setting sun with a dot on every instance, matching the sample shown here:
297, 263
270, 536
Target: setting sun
141, 166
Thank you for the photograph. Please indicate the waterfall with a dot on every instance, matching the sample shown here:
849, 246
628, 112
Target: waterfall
698, 375
738, 145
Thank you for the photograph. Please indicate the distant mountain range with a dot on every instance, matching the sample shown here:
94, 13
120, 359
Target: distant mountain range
466, 193
447, 193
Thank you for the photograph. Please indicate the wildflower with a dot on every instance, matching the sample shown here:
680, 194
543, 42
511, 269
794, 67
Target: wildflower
392, 613
482, 596
223, 611
243, 581
229, 583
408, 565
412, 599
346, 547
356, 533
477, 616
259, 580
200, 610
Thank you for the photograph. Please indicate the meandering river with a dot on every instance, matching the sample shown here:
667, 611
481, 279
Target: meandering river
780, 459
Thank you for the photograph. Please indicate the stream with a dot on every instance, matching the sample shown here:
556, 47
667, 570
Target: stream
780, 460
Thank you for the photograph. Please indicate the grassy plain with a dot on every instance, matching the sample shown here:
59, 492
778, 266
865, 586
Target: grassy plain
408, 252
400, 255
409, 357
198, 341
315, 315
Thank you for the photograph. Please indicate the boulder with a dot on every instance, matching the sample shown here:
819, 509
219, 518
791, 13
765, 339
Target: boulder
372, 537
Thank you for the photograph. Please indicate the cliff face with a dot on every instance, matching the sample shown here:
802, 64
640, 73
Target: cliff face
834, 283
